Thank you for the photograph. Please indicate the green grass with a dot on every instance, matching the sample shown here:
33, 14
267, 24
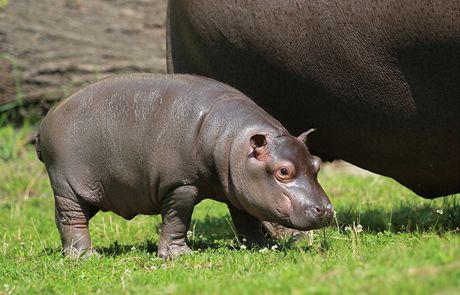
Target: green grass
3, 3
386, 241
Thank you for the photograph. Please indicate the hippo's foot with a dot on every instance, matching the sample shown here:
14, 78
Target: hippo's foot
276, 231
168, 252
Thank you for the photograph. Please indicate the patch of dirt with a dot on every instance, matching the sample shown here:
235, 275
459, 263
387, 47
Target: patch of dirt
60, 45
7, 88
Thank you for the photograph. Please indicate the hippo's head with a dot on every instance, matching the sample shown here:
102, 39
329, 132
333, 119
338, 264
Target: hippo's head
277, 181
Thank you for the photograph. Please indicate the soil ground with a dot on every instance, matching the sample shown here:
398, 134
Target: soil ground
50, 48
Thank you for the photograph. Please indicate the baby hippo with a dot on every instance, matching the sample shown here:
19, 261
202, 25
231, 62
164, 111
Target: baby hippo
159, 144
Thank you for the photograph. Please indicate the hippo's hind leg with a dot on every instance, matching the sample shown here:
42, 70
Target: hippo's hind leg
176, 211
248, 227
72, 220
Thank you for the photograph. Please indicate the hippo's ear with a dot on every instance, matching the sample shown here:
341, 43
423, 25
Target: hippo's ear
258, 143
303, 137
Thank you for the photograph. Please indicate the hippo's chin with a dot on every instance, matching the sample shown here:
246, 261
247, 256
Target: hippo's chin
310, 226
301, 226
286, 221
287, 217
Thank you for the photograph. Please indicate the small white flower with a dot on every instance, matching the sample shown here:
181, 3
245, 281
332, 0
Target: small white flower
133, 248
263, 250
243, 247
274, 247
359, 228
440, 212
244, 239
347, 228
189, 234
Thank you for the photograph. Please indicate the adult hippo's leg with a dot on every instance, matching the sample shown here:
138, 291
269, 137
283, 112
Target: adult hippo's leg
248, 227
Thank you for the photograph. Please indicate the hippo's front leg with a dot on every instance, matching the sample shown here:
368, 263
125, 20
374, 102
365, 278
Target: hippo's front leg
276, 231
248, 227
176, 211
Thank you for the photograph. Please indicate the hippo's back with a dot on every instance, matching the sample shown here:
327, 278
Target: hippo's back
121, 108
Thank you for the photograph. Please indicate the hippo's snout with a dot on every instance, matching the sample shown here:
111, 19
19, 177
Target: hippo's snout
308, 216
322, 215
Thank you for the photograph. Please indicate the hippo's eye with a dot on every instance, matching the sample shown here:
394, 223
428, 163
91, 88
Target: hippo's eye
284, 174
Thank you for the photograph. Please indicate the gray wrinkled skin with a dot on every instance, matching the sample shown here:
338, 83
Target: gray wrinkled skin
380, 80
146, 144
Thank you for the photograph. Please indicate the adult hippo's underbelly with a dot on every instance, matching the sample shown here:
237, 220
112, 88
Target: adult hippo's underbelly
379, 81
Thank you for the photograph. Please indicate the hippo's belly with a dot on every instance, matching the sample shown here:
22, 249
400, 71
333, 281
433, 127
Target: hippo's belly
127, 201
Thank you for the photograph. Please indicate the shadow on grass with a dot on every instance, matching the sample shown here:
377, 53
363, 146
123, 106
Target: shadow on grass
404, 219
116, 249
218, 233
211, 233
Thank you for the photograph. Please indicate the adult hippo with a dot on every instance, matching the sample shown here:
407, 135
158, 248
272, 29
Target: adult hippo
380, 80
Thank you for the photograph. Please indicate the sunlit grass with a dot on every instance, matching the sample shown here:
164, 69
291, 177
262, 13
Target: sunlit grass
385, 240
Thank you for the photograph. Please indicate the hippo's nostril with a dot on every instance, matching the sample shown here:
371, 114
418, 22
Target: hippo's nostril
329, 212
322, 213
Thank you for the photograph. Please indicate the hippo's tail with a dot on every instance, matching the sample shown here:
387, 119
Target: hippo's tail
38, 148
